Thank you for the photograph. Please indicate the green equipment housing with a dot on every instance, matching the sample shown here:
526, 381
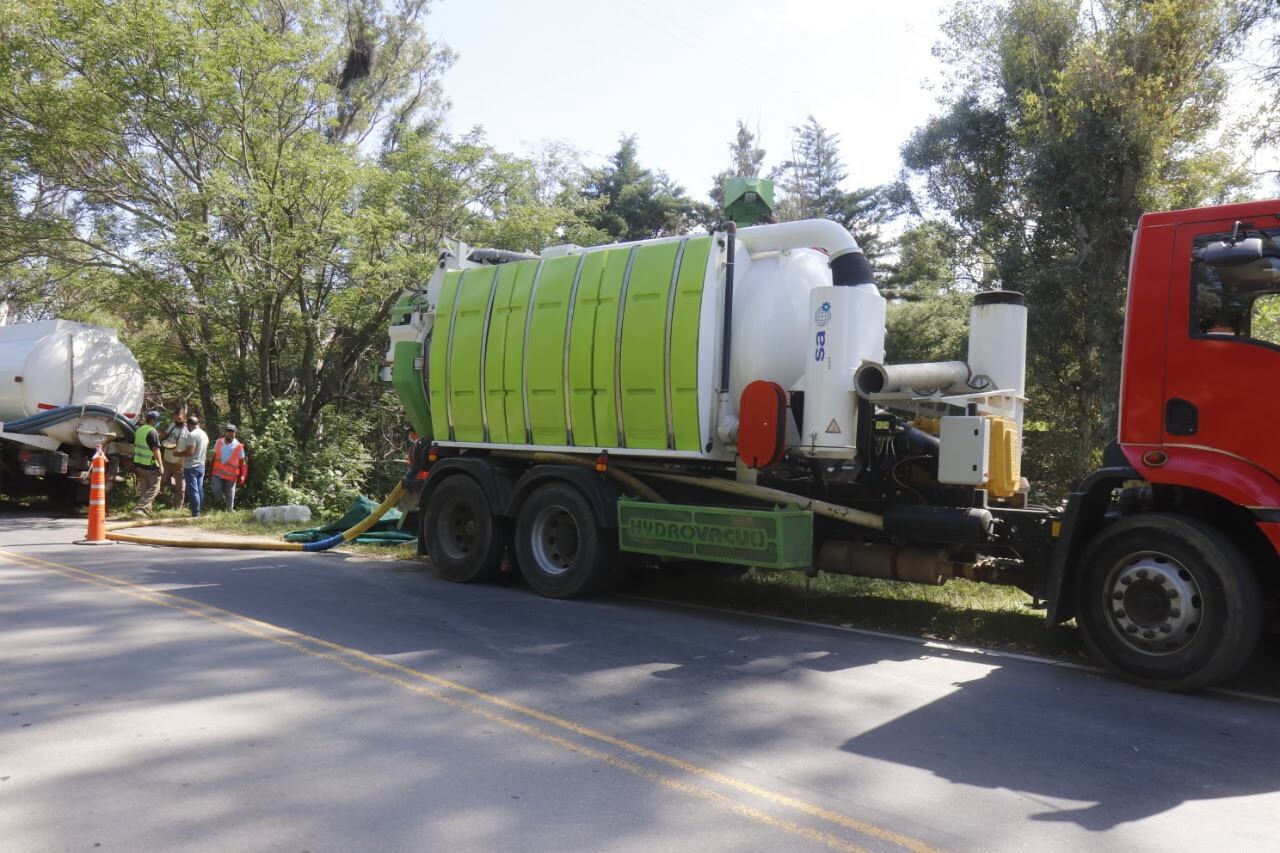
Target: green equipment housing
748, 201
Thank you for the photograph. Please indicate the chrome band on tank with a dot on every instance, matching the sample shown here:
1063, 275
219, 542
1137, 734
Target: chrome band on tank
484, 353
524, 361
448, 356
568, 336
666, 337
617, 347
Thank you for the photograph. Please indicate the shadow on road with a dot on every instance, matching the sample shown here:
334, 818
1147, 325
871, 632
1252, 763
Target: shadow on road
1129, 752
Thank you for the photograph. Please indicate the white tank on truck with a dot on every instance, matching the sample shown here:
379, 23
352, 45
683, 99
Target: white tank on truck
65, 388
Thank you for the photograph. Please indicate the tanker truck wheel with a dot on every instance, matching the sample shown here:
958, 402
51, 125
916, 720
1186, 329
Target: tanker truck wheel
562, 552
460, 533
1169, 602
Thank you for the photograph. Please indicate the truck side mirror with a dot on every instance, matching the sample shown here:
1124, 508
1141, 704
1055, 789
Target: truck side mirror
1223, 254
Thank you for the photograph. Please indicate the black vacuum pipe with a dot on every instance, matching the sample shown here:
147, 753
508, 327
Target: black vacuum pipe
726, 334
35, 423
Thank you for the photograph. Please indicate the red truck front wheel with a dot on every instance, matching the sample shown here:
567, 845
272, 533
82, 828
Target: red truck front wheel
1170, 602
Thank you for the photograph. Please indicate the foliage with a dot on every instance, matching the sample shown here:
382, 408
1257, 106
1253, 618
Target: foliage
1067, 120
205, 156
810, 186
1264, 16
810, 181
930, 289
243, 188
635, 203
326, 475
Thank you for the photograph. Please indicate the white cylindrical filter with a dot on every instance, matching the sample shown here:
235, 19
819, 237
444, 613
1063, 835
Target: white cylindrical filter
846, 328
998, 342
771, 318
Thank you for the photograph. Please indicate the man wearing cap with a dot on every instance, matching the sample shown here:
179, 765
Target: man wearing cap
193, 450
148, 462
229, 468
171, 482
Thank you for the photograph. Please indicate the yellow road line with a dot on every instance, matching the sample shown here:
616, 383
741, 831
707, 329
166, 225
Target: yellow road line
413, 680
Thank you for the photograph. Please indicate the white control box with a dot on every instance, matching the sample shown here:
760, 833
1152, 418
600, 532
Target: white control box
965, 448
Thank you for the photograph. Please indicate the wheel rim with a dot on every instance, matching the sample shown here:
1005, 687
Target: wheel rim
459, 530
1153, 603
554, 536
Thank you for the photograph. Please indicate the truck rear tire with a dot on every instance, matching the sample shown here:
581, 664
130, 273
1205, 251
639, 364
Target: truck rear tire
461, 535
562, 552
1169, 602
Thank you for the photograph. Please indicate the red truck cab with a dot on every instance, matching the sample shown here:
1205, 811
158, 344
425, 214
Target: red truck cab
1168, 554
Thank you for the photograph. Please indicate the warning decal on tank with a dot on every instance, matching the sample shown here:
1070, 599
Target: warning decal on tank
833, 428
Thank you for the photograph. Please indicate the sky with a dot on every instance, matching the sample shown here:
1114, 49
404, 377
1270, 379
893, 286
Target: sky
680, 73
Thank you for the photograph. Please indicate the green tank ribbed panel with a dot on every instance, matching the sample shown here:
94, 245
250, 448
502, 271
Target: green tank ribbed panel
544, 351
685, 321
513, 356
464, 365
582, 333
604, 356
497, 396
570, 361
644, 324
438, 354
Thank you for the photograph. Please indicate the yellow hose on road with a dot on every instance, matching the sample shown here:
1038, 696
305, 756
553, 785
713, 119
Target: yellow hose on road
245, 545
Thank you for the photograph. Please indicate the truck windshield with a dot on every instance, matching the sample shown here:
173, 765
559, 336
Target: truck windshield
1240, 300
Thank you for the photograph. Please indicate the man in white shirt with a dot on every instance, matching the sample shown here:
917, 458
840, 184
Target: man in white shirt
193, 450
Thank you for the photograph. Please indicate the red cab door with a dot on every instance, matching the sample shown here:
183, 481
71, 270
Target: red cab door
1222, 379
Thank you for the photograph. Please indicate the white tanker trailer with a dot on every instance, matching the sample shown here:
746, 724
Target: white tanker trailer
65, 388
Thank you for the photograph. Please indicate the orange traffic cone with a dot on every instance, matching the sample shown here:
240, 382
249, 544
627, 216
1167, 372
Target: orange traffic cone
97, 534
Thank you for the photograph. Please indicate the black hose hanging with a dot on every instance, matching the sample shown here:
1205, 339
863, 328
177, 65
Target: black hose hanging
42, 421
726, 334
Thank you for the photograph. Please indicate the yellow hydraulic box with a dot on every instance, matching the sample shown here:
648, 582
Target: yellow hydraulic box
1006, 459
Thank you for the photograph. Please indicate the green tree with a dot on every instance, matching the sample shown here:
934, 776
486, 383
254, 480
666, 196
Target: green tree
930, 288
207, 154
1264, 16
626, 201
810, 188
745, 161
1066, 122
197, 169
448, 187
810, 180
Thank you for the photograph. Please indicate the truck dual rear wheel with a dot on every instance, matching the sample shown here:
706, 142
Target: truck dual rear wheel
562, 552
1169, 602
460, 533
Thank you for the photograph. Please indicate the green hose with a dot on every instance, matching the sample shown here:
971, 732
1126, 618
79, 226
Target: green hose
243, 545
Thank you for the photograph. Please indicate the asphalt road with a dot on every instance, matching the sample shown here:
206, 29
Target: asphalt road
164, 699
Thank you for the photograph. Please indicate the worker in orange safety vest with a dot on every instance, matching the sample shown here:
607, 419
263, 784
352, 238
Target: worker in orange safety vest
230, 468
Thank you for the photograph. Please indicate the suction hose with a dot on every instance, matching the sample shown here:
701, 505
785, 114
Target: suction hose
241, 545
43, 420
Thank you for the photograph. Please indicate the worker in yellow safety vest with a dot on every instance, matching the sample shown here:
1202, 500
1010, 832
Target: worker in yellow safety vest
148, 462
230, 468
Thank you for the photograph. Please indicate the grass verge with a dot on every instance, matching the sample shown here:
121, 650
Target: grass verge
958, 611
